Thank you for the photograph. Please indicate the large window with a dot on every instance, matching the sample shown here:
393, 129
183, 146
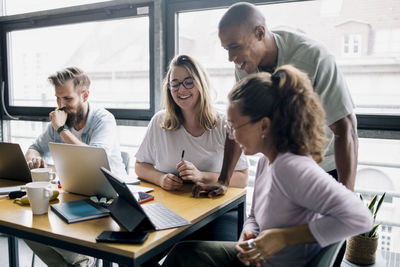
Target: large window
12, 7
113, 45
373, 76
119, 70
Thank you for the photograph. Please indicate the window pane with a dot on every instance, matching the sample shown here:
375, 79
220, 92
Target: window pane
13, 7
379, 171
200, 40
114, 53
373, 75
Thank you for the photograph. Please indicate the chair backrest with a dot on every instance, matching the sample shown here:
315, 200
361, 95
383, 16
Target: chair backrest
125, 159
327, 256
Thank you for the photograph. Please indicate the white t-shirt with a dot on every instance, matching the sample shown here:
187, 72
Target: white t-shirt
163, 148
77, 134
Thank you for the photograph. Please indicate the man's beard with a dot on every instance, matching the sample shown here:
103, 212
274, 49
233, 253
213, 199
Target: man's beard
75, 118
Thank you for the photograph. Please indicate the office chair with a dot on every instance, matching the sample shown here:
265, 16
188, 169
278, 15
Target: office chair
125, 159
327, 256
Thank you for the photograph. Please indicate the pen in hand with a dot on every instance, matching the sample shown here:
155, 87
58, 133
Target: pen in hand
183, 154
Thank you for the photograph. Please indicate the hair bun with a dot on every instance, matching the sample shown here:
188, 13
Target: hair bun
276, 79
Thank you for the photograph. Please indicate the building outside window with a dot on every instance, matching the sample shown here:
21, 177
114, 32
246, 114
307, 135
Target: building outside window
351, 45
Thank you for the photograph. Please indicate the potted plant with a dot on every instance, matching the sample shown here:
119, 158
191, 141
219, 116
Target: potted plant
361, 249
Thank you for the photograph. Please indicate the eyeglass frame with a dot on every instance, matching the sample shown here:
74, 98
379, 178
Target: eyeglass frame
230, 130
180, 83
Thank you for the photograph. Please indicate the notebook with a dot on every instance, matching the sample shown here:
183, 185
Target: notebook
13, 165
129, 213
79, 210
78, 168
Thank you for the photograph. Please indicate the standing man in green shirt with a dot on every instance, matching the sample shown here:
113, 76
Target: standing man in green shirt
254, 48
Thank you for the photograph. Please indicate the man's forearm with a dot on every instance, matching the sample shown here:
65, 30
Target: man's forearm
31, 153
232, 154
69, 138
346, 151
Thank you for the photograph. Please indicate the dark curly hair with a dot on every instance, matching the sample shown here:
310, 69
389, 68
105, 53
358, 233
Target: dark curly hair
288, 99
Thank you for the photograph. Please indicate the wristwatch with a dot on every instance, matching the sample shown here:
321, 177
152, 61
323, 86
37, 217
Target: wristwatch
61, 128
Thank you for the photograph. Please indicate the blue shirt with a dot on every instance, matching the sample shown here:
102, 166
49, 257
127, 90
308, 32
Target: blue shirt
100, 130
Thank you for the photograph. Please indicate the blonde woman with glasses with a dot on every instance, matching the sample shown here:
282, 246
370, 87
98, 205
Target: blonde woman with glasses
185, 141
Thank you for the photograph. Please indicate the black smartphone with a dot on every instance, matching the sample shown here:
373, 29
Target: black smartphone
122, 237
142, 197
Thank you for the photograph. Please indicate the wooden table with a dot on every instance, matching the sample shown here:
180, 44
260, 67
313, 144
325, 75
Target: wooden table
18, 221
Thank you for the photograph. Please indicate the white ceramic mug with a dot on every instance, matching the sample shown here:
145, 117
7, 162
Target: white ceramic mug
42, 174
39, 194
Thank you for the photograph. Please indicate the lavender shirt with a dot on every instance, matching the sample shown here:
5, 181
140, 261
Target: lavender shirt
294, 190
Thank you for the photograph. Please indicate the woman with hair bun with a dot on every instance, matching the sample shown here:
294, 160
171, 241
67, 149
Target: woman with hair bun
297, 207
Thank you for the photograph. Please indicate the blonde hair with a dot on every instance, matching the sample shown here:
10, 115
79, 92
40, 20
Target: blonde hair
288, 99
80, 79
205, 112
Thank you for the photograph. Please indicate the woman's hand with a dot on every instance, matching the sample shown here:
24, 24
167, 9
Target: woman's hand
267, 243
244, 247
187, 171
170, 181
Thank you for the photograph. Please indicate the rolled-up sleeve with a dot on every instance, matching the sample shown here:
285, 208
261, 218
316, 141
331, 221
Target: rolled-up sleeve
41, 143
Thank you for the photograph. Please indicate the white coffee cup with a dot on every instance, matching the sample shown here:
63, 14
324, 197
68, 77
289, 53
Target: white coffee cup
42, 174
39, 194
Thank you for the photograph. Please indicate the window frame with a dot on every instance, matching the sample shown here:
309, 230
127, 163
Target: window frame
71, 15
174, 7
353, 41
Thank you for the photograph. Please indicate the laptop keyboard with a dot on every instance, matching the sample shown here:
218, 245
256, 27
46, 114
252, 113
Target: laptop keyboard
162, 217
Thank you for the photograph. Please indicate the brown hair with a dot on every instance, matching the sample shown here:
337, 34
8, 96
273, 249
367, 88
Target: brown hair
81, 80
205, 112
288, 99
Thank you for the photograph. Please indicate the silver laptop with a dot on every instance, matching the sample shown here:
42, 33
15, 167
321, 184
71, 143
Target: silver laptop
13, 165
78, 168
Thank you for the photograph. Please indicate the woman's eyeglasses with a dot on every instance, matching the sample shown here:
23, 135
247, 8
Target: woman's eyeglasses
232, 130
188, 83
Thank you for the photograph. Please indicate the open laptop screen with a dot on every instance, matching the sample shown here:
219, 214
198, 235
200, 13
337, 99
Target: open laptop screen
78, 168
13, 165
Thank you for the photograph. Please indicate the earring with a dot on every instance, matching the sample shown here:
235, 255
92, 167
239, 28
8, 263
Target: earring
262, 136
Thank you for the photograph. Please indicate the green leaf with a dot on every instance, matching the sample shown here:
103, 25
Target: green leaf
379, 204
372, 204
372, 233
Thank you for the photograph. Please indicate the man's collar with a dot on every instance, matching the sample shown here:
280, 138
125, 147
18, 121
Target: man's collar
88, 119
